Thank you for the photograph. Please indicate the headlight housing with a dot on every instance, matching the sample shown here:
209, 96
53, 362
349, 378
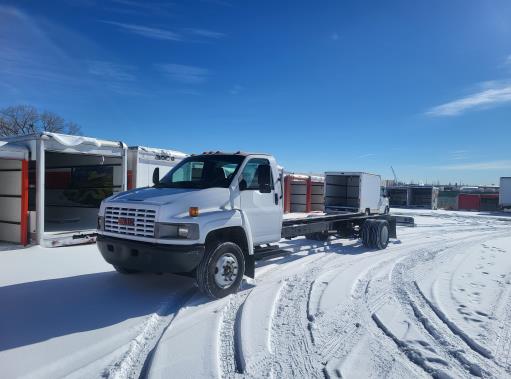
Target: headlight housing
101, 223
176, 231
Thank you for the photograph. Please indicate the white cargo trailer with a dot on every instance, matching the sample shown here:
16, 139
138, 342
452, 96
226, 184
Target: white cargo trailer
505, 193
143, 161
354, 192
68, 177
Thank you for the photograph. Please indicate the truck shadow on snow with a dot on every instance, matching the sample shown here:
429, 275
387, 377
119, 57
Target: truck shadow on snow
37, 311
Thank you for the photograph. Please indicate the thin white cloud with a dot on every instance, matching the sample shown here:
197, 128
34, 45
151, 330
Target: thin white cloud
31, 60
486, 98
459, 154
27, 52
183, 73
111, 71
204, 33
366, 155
185, 34
143, 5
477, 166
146, 31
236, 89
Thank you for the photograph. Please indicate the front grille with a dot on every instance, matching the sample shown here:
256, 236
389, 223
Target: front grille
143, 221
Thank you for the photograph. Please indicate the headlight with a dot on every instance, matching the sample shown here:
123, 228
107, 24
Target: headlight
101, 222
182, 231
179, 231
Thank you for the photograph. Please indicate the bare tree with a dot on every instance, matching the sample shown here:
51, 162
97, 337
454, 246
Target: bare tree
51, 122
26, 119
18, 119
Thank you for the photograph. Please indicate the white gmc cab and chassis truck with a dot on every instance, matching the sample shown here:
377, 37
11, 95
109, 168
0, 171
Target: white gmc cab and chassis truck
210, 217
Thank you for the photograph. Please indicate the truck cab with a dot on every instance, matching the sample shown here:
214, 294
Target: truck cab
202, 218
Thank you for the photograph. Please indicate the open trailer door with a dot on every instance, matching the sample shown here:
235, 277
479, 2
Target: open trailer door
79, 173
13, 194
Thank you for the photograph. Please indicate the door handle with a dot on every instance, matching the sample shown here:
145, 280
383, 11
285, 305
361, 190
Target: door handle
276, 199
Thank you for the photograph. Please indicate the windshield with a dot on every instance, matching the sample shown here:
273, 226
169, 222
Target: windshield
204, 171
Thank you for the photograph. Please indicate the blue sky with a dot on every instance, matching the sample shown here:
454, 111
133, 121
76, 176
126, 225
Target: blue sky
330, 85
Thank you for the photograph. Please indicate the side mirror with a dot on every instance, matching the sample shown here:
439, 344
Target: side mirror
156, 175
243, 185
264, 188
264, 178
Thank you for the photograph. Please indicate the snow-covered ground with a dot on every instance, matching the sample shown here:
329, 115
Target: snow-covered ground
436, 302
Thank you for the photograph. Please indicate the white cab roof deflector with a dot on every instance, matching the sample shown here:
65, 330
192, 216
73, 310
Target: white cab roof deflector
152, 150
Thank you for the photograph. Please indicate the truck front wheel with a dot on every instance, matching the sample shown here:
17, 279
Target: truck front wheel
221, 270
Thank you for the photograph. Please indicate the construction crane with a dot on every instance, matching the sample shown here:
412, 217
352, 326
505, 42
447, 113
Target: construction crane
395, 176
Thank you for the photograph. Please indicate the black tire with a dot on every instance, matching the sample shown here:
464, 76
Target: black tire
125, 271
365, 233
207, 270
382, 234
374, 234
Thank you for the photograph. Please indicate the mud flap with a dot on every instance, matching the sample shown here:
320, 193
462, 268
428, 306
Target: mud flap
392, 227
250, 265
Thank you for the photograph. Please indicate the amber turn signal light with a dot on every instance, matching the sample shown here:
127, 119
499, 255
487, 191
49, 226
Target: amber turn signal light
193, 211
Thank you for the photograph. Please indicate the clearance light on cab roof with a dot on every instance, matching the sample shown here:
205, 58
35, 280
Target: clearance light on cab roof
193, 211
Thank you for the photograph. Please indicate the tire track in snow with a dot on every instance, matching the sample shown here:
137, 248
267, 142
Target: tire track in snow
503, 346
134, 362
414, 309
232, 363
373, 302
347, 323
342, 330
229, 349
293, 350
448, 337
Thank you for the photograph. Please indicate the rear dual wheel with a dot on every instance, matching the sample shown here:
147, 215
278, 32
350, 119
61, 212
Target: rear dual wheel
375, 234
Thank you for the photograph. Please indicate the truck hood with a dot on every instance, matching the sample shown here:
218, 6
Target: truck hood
174, 202
153, 196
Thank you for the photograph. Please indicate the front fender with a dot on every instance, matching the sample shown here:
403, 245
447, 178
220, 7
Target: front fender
226, 219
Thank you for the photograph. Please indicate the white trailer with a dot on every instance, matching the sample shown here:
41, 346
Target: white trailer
354, 192
67, 178
143, 161
505, 193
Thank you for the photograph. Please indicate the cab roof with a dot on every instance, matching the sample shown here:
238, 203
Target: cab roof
241, 153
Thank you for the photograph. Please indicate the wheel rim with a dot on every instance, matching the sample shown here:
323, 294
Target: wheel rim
384, 235
226, 270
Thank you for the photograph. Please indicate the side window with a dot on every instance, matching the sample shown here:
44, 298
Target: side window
256, 173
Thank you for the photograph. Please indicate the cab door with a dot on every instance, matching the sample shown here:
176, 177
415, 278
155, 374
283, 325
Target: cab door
260, 201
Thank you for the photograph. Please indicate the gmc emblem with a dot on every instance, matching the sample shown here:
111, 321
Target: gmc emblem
126, 221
